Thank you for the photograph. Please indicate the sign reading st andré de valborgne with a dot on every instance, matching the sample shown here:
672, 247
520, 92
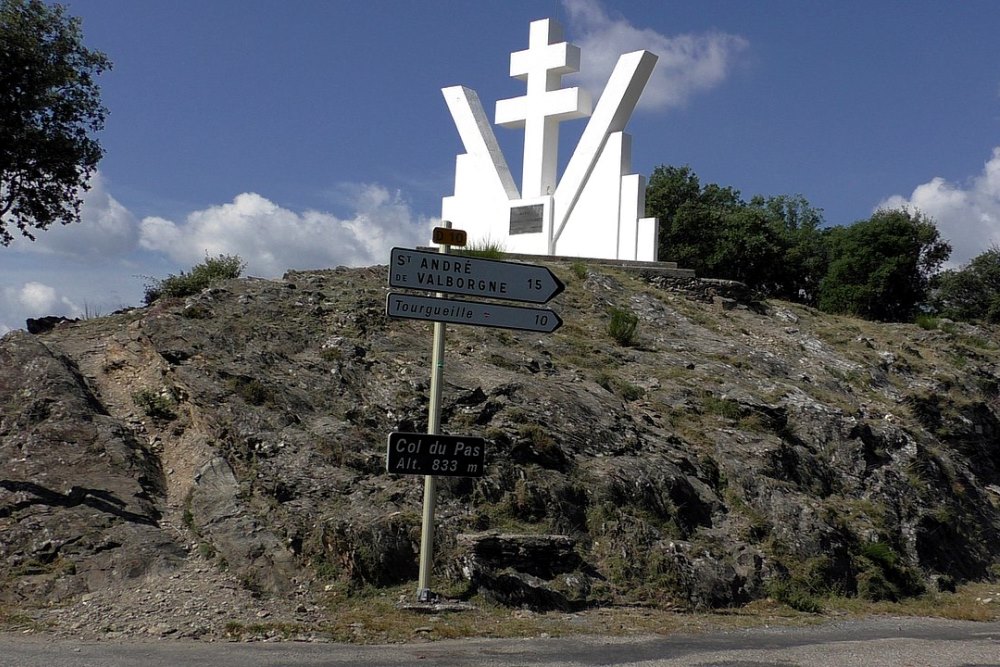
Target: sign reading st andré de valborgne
491, 278
425, 454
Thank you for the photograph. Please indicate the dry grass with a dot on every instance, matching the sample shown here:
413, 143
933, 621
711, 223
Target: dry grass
380, 618
13, 619
971, 602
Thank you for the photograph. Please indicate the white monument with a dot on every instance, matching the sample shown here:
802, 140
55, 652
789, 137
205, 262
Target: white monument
595, 208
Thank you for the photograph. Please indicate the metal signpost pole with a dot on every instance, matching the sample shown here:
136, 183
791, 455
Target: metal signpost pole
427, 270
433, 428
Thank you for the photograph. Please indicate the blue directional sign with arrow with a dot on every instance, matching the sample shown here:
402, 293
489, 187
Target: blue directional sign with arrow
472, 276
475, 313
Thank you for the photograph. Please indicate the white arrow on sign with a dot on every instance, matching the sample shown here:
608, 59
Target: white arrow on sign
474, 313
472, 276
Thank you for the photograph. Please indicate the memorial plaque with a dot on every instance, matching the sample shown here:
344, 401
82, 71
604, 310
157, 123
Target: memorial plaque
527, 219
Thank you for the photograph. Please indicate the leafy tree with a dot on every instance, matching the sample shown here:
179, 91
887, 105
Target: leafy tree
691, 217
804, 258
773, 244
748, 247
880, 268
972, 292
49, 105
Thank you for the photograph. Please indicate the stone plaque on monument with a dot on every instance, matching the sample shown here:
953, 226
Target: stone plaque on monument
526, 219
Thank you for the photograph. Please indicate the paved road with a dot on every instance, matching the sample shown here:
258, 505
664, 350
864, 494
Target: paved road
883, 642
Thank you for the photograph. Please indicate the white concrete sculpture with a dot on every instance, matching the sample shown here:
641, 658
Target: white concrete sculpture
595, 208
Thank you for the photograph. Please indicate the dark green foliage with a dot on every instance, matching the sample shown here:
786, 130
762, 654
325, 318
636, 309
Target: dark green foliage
251, 390
49, 105
154, 404
880, 268
623, 326
884, 575
772, 244
973, 292
622, 388
691, 217
213, 269
796, 226
723, 407
794, 594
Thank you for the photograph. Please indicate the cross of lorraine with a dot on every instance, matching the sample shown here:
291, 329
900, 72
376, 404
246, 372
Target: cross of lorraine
595, 208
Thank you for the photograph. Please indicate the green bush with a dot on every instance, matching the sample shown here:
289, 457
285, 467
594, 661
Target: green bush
486, 249
796, 595
880, 268
971, 293
622, 388
884, 575
251, 390
154, 404
722, 407
213, 269
623, 326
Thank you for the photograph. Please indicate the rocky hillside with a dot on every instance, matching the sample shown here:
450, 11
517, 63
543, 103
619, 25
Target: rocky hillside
731, 451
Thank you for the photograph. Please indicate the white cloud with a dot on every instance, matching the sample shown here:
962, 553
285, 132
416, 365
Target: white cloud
36, 297
969, 217
33, 299
687, 63
272, 239
106, 229
38, 279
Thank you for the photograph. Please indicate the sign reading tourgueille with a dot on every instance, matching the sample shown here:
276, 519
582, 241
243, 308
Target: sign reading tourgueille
451, 274
475, 313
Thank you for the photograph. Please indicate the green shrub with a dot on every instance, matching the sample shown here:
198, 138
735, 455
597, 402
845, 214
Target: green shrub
623, 326
622, 388
884, 575
331, 354
579, 269
154, 404
722, 407
251, 390
880, 553
795, 595
485, 249
213, 269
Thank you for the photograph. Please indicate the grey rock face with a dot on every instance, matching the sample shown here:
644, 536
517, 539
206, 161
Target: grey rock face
729, 454
75, 484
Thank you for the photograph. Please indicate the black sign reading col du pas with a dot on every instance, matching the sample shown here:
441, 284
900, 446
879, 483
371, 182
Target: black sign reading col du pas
425, 454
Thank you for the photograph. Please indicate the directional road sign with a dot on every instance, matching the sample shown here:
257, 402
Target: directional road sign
425, 454
472, 276
475, 313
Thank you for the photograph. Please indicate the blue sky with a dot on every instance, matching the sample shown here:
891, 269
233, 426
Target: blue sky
311, 134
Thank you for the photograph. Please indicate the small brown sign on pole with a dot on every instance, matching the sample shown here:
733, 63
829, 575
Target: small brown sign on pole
446, 236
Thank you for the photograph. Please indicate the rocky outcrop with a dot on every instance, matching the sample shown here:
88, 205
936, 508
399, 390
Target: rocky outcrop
79, 496
728, 455
534, 571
